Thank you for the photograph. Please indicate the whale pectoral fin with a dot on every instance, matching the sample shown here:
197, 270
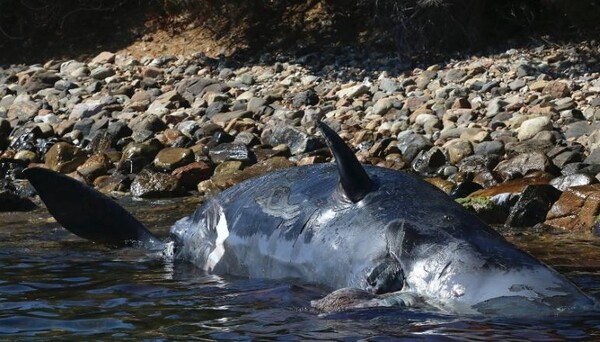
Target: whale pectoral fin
343, 299
386, 277
354, 180
353, 298
87, 213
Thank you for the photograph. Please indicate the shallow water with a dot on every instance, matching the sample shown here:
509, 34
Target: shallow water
55, 285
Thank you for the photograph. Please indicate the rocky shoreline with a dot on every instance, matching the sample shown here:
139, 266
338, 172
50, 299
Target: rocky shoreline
513, 136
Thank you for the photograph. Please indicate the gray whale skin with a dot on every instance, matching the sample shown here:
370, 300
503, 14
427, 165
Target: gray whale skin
339, 225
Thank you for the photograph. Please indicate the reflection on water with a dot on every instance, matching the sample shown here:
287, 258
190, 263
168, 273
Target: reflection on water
53, 284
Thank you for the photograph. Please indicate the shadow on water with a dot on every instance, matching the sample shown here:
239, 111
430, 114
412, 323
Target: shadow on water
55, 285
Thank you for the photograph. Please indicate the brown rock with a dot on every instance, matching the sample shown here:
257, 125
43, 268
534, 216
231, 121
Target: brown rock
225, 172
514, 186
440, 183
461, 103
148, 184
191, 174
171, 158
222, 119
557, 89
458, 149
266, 166
64, 157
151, 72
110, 183
94, 166
104, 57
576, 209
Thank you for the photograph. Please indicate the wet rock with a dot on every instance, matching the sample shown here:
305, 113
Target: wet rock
26, 156
118, 129
577, 209
224, 175
229, 152
137, 155
562, 183
5, 128
263, 167
523, 164
150, 184
484, 208
113, 182
64, 157
12, 202
297, 140
440, 183
247, 138
464, 189
95, 166
506, 194
470, 166
221, 137
428, 162
532, 206
170, 158
192, 174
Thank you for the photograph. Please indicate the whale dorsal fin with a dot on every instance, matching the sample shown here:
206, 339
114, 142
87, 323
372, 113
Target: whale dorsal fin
87, 213
354, 181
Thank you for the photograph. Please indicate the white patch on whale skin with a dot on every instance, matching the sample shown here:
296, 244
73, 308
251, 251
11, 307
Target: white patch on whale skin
222, 234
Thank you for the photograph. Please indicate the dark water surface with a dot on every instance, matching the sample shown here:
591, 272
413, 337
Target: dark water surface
56, 286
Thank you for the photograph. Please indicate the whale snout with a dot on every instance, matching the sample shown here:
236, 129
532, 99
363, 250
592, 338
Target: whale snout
517, 291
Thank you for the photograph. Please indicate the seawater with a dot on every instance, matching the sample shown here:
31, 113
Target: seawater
54, 285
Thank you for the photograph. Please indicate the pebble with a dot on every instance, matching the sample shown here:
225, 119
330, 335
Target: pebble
484, 120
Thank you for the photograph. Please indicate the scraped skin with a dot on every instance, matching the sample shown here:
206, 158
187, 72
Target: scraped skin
345, 225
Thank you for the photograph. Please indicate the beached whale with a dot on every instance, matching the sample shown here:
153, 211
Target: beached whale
339, 225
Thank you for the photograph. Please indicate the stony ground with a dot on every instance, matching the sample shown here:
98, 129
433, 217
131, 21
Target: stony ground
513, 136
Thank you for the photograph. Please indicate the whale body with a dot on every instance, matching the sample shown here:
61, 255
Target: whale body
339, 225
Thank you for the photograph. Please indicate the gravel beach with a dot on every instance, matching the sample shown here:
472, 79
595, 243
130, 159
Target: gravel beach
512, 136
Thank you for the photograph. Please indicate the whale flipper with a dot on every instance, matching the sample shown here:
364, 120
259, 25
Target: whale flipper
354, 180
87, 213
